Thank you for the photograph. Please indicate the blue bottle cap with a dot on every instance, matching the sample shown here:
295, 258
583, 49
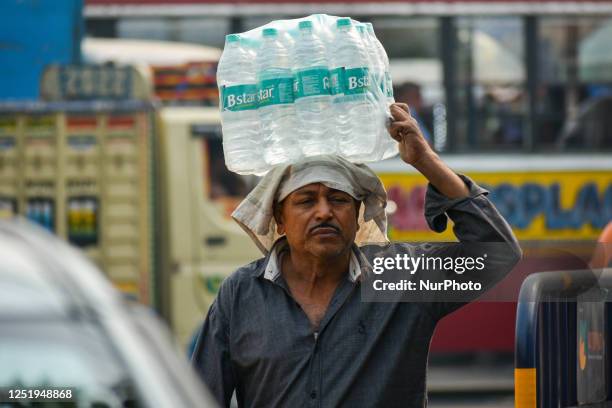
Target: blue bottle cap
270, 32
343, 22
230, 38
305, 24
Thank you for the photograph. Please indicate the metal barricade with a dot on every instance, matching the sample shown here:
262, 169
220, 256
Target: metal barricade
562, 342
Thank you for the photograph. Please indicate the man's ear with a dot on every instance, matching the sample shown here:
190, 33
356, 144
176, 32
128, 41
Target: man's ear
278, 217
357, 209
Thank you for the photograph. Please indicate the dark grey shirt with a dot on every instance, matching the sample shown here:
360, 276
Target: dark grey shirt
257, 340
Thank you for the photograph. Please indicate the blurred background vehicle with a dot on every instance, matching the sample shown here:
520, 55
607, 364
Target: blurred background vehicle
63, 326
563, 339
141, 188
118, 148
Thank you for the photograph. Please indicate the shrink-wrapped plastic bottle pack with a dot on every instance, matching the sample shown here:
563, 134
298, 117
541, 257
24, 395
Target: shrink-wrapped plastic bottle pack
304, 87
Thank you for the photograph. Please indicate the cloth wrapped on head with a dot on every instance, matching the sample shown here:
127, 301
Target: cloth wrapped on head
255, 214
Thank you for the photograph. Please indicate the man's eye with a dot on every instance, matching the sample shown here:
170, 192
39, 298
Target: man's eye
305, 201
340, 199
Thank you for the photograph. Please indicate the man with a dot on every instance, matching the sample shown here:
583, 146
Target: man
410, 94
602, 255
291, 329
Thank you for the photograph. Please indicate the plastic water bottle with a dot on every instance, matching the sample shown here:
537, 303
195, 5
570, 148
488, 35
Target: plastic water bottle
312, 92
387, 87
387, 147
238, 98
276, 108
377, 68
357, 115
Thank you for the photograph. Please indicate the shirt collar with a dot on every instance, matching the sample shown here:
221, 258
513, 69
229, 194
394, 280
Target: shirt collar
272, 270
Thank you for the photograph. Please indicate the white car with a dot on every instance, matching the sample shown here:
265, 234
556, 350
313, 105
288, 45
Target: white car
65, 329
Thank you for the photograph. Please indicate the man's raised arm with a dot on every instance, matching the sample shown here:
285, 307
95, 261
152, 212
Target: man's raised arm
415, 150
477, 224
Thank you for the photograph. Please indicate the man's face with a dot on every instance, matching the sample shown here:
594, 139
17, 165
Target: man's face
318, 220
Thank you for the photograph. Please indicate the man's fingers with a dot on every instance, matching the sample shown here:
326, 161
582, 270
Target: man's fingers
409, 122
395, 136
400, 106
399, 129
404, 107
400, 111
394, 131
403, 124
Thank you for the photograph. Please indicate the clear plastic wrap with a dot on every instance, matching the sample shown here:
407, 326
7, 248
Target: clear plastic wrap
304, 87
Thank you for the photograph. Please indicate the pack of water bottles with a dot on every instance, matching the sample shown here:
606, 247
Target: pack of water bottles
304, 87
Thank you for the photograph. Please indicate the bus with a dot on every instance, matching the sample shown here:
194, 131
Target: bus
514, 94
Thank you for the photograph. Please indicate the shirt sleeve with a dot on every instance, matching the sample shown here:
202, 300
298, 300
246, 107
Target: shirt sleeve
477, 225
211, 356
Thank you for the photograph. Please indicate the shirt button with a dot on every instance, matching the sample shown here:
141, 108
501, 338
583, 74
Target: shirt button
313, 395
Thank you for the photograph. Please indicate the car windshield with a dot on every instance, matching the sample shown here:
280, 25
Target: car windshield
26, 287
69, 355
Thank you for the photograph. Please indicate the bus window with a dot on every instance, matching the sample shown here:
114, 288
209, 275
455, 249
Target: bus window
574, 96
491, 83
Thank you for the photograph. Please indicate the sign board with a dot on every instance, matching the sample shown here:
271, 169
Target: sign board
538, 205
93, 82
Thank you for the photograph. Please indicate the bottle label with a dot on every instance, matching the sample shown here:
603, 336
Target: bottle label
238, 97
275, 91
311, 82
336, 77
388, 85
356, 80
350, 81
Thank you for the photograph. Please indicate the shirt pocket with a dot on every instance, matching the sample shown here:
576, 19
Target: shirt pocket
270, 339
359, 328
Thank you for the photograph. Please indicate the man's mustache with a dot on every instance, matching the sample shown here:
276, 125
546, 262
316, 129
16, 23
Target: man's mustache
325, 225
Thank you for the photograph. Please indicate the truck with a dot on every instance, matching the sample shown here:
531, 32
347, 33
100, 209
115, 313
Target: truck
141, 188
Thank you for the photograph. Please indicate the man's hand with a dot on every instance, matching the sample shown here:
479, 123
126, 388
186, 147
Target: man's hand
415, 150
405, 130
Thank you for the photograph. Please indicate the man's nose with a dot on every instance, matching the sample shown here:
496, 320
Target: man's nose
323, 209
